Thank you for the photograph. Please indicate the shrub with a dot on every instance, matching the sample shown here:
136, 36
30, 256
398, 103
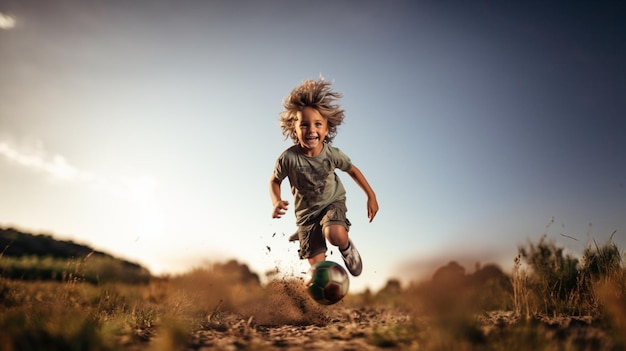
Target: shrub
557, 283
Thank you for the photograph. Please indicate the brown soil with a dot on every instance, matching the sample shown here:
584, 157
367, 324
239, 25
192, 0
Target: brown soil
285, 318
346, 329
389, 329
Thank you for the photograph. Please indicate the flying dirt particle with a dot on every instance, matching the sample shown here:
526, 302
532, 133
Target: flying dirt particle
287, 303
269, 249
273, 235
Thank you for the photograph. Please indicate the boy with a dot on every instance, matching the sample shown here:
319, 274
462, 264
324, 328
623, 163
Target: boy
310, 118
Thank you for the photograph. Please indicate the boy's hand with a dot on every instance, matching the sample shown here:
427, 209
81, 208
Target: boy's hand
372, 208
280, 207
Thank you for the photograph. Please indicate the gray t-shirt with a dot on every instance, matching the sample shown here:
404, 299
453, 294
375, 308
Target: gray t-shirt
313, 181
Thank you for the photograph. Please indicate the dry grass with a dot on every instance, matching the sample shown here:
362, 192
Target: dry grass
551, 302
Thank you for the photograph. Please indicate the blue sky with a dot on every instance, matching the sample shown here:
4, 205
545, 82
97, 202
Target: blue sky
149, 129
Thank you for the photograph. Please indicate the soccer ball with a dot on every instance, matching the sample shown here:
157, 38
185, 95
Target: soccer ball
327, 282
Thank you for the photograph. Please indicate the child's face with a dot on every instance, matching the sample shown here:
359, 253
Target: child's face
311, 129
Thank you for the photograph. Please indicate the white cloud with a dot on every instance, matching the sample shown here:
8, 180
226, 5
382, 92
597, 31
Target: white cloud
57, 166
135, 189
6, 21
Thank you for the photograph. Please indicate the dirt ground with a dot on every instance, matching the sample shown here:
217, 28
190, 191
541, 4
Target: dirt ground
284, 317
345, 329
392, 329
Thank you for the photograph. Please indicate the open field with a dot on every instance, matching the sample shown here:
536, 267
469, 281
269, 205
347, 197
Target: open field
551, 302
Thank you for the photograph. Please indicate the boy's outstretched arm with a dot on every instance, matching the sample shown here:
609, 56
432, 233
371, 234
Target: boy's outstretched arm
359, 178
279, 206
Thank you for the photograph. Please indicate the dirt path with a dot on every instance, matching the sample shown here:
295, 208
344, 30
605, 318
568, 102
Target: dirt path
372, 329
347, 329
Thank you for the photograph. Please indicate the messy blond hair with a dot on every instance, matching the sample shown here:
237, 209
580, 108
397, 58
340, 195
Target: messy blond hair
318, 95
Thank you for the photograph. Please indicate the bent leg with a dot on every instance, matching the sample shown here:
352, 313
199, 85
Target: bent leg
337, 235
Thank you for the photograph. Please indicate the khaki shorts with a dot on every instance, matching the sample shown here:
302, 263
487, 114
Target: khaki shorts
311, 235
